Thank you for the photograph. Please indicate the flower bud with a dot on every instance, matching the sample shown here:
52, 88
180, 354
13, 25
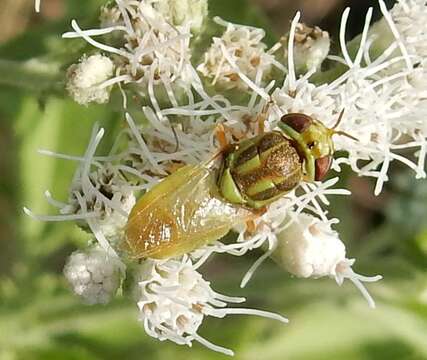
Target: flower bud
239, 56
311, 46
310, 248
84, 80
182, 12
94, 275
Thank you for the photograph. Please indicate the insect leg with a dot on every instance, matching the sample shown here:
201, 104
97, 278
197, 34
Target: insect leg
251, 226
221, 136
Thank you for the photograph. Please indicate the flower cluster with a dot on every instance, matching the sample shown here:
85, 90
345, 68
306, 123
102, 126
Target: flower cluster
173, 298
147, 49
147, 54
94, 275
238, 54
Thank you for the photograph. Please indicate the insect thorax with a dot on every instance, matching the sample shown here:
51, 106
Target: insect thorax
258, 171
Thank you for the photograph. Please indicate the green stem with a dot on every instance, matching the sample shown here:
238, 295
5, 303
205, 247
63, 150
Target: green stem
33, 75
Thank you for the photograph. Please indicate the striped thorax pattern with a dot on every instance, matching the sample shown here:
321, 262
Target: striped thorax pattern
259, 170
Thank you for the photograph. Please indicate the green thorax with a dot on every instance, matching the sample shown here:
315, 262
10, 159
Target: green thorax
313, 142
258, 171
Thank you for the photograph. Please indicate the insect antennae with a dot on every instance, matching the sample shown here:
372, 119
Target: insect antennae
339, 119
339, 132
343, 133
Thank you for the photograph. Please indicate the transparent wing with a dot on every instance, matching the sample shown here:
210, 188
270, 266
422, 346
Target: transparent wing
178, 215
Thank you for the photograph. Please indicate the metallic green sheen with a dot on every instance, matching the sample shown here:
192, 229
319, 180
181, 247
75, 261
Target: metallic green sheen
229, 189
308, 157
260, 170
313, 143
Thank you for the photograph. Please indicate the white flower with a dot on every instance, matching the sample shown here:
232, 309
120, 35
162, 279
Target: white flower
103, 197
308, 247
110, 198
384, 111
84, 79
110, 17
239, 54
182, 12
100, 200
153, 54
94, 275
173, 299
160, 148
311, 46
385, 105
410, 19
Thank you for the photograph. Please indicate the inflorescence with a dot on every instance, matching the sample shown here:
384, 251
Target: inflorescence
146, 53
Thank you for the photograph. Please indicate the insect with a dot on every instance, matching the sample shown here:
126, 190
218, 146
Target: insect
196, 205
260, 170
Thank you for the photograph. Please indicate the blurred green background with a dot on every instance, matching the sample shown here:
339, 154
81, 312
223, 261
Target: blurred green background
41, 319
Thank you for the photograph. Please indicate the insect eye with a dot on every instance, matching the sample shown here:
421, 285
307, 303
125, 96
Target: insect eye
298, 122
322, 166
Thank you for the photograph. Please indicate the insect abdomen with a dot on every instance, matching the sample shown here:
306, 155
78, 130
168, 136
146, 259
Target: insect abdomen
260, 170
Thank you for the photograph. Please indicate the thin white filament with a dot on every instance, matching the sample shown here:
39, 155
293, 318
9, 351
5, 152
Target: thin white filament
97, 44
115, 80
126, 18
87, 186
103, 242
360, 52
79, 158
395, 31
142, 143
94, 32
257, 264
52, 201
383, 174
291, 63
50, 218
211, 346
343, 44
231, 299
199, 88
345, 271
244, 78
243, 311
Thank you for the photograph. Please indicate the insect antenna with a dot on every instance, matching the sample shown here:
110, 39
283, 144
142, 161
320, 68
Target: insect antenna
343, 133
339, 119
339, 132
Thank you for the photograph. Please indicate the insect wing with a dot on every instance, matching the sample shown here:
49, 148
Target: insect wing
178, 215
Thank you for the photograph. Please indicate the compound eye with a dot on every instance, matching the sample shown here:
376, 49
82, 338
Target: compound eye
322, 166
298, 122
